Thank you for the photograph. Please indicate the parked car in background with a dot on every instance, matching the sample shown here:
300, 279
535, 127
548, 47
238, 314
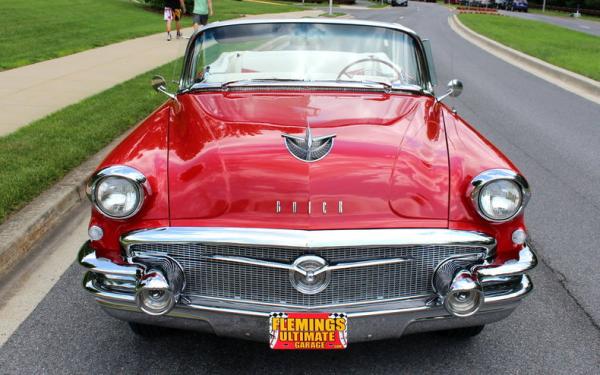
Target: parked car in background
501, 4
306, 187
478, 3
398, 3
518, 6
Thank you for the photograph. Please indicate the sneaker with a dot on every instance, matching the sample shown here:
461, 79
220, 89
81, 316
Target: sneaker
168, 37
179, 35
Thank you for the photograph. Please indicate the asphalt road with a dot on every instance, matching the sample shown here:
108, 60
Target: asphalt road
585, 26
552, 135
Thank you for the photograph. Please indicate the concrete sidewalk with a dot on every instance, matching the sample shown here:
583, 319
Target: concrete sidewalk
34, 91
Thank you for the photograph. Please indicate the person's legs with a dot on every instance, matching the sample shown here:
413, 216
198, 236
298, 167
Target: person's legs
203, 19
168, 16
196, 20
199, 19
177, 17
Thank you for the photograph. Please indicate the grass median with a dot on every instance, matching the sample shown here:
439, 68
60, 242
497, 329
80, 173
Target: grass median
38, 155
572, 50
556, 13
45, 29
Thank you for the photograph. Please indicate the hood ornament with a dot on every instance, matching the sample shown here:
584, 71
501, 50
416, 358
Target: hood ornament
307, 148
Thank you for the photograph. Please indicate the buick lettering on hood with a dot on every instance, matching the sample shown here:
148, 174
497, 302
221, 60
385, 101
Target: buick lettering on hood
305, 187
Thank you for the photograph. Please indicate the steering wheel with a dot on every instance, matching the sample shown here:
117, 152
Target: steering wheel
344, 71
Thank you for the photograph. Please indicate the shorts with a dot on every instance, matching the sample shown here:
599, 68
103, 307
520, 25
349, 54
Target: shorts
200, 19
172, 14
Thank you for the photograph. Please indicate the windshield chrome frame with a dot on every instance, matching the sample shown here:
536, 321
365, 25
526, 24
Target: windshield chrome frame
185, 84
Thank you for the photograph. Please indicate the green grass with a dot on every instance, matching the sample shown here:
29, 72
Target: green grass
35, 157
38, 155
556, 13
38, 30
572, 50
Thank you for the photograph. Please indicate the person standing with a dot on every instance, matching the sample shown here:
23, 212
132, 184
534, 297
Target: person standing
202, 9
173, 11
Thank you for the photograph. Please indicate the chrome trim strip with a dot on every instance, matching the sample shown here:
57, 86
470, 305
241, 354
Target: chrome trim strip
304, 85
308, 239
256, 262
295, 268
527, 260
363, 263
204, 300
127, 302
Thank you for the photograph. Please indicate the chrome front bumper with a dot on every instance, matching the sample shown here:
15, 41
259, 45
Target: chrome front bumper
503, 286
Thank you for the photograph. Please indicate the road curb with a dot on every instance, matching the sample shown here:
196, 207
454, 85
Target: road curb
23, 229
573, 82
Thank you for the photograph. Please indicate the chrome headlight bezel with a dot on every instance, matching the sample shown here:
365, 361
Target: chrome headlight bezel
483, 179
132, 175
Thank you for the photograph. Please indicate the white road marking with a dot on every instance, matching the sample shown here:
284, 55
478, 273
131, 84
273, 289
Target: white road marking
20, 294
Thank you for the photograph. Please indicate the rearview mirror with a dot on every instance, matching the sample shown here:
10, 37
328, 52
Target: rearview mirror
160, 85
455, 88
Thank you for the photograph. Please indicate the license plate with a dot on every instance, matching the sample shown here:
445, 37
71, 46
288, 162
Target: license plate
308, 331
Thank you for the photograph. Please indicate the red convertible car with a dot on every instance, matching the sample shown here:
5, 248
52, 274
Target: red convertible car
305, 187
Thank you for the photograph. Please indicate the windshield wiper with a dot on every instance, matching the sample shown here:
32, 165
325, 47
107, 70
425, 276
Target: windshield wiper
226, 85
387, 87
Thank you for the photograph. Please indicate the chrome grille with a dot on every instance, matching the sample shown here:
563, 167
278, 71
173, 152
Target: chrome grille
212, 278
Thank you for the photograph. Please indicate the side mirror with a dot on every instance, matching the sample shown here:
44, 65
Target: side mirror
158, 82
160, 85
455, 88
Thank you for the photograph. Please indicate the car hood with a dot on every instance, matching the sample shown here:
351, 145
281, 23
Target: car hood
229, 165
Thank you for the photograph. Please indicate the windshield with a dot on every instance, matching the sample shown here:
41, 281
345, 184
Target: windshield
305, 52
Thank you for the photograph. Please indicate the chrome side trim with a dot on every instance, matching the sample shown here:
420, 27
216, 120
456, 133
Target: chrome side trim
527, 260
308, 239
295, 268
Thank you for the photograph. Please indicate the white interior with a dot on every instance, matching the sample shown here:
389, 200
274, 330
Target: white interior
302, 65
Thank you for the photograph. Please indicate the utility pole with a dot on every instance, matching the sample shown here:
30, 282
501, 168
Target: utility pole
331, 7
544, 6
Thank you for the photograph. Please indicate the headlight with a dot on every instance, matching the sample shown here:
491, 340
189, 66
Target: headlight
117, 192
499, 194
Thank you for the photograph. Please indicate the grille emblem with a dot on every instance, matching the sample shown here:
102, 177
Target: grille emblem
307, 148
304, 276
